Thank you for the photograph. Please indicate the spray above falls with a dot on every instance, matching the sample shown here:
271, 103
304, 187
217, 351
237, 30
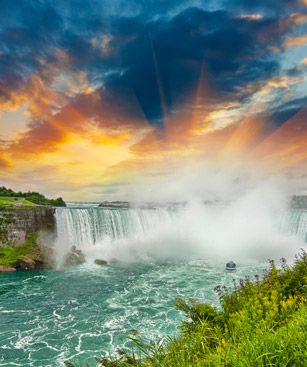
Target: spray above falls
212, 231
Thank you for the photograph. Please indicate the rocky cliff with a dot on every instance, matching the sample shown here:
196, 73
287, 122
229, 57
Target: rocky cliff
299, 202
16, 224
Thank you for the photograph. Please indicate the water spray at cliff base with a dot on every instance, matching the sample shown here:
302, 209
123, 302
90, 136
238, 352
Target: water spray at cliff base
216, 218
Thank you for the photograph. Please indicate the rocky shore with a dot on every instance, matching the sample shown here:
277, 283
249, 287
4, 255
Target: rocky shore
31, 255
25, 233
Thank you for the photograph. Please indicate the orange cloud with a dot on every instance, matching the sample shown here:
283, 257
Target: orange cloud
253, 17
298, 18
4, 163
282, 82
54, 117
295, 41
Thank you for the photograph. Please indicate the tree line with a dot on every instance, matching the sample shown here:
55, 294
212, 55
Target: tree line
32, 196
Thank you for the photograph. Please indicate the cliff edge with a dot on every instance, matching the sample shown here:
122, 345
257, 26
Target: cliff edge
24, 236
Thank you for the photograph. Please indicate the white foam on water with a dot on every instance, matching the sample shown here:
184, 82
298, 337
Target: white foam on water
23, 342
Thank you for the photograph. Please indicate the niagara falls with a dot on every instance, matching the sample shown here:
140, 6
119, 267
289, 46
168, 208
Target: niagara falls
153, 183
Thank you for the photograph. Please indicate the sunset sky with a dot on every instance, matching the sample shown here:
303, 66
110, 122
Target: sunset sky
98, 96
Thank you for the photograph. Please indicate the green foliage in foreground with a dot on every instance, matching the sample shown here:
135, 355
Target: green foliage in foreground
10, 254
262, 323
32, 197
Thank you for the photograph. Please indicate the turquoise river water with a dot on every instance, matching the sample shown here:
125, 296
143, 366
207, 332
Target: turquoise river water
47, 317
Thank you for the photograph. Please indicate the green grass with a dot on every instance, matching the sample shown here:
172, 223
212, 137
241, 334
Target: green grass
14, 202
262, 323
10, 254
30, 196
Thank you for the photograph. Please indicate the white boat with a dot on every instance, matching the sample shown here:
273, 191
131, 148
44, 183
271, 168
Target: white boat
231, 266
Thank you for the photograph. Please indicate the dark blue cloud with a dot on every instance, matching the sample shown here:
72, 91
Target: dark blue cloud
28, 32
282, 113
234, 52
266, 7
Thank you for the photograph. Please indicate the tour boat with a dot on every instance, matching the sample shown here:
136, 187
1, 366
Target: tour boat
231, 266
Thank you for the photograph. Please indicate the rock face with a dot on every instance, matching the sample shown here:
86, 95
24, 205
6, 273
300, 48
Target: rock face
16, 224
74, 257
6, 269
299, 202
101, 262
27, 263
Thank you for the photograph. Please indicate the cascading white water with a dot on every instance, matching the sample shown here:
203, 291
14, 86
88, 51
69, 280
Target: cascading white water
213, 231
295, 222
84, 227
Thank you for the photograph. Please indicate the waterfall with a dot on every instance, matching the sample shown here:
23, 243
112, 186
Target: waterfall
84, 227
210, 231
295, 222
